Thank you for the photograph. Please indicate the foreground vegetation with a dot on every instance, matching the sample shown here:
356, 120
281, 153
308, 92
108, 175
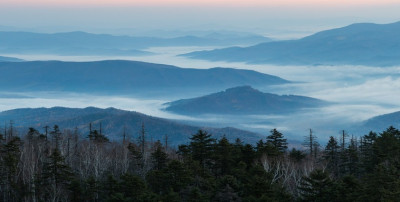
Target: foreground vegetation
60, 166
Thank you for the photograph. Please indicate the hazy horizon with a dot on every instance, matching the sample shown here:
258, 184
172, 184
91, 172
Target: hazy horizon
277, 19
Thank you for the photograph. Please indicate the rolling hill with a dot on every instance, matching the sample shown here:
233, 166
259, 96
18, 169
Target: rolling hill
382, 122
83, 43
242, 100
113, 123
9, 59
126, 77
358, 44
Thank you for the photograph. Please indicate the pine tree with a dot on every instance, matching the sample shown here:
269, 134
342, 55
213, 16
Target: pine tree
91, 189
296, 155
383, 184
159, 157
248, 155
276, 139
367, 152
56, 173
98, 137
9, 167
32, 133
331, 155
132, 187
223, 157
201, 147
56, 135
353, 157
318, 187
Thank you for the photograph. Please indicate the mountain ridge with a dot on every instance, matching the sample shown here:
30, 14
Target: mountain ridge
120, 76
114, 122
242, 100
382, 122
84, 43
357, 44
10, 59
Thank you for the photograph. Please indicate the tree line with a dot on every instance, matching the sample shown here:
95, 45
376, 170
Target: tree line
61, 165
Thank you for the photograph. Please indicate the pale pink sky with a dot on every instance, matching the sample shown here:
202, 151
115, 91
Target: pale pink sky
201, 2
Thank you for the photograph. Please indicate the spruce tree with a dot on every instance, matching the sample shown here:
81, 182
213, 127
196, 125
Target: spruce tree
331, 155
201, 147
223, 157
159, 157
276, 139
318, 187
56, 171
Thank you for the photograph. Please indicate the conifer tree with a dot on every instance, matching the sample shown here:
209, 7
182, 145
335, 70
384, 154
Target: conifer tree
318, 187
331, 155
56, 135
367, 152
56, 175
9, 167
159, 157
201, 147
223, 156
276, 139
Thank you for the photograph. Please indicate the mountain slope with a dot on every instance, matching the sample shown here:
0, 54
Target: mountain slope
82, 43
113, 122
242, 100
358, 44
9, 59
121, 77
380, 123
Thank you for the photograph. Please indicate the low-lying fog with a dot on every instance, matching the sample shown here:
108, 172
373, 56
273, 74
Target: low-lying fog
358, 93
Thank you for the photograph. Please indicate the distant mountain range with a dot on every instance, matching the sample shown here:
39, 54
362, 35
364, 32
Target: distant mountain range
9, 59
243, 100
128, 77
82, 43
113, 122
358, 44
382, 122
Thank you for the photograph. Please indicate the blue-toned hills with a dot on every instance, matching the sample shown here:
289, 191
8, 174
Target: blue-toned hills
243, 100
9, 59
83, 43
382, 122
127, 77
114, 122
358, 44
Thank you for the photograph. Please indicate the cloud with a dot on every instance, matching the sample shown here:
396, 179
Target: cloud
381, 91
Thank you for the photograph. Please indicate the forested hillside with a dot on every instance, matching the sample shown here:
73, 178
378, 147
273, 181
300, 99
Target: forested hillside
57, 165
243, 100
114, 123
123, 77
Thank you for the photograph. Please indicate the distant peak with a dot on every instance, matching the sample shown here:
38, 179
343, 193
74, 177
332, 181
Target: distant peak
241, 88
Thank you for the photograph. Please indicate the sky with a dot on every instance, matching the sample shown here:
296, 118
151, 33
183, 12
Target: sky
276, 18
196, 2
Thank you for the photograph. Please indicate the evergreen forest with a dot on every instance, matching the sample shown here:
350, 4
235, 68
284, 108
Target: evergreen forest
61, 165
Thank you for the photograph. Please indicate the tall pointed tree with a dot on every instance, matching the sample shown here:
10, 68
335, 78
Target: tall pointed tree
276, 139
201, 146
331, 155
